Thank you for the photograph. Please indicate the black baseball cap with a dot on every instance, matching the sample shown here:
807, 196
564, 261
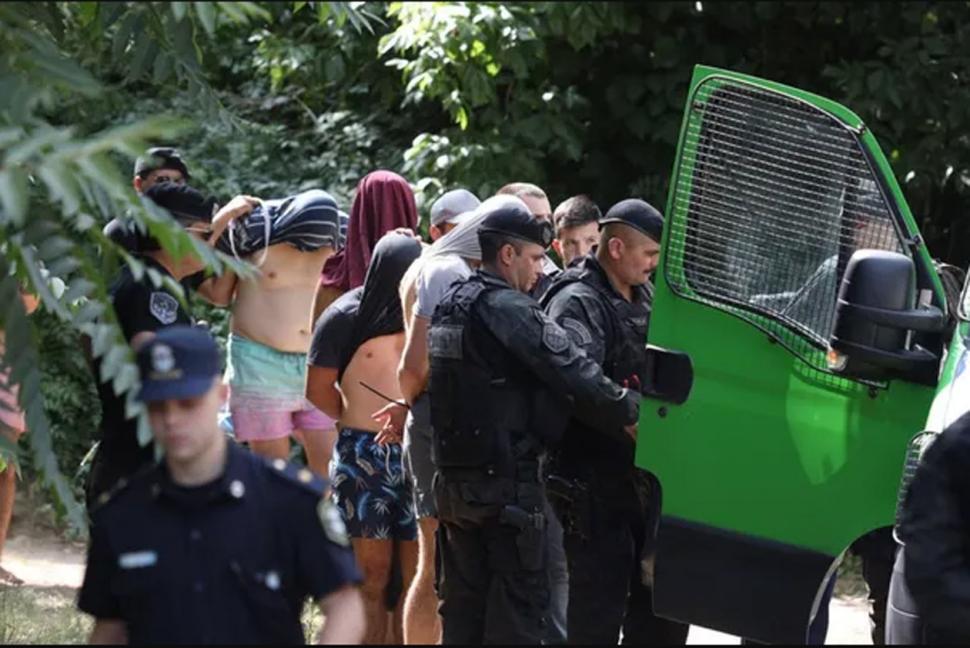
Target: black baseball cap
510, 216
160, 157
179, 362
639, 215
182, 201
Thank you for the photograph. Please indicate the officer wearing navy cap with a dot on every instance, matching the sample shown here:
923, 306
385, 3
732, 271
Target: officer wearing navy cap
214, 545
143, 307
604, 303
504, 378
158, 165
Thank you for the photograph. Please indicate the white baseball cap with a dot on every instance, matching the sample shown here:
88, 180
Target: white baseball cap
453, 207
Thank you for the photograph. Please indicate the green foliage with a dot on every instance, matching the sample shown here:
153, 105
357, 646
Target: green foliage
70, 397
61, 176
587, 97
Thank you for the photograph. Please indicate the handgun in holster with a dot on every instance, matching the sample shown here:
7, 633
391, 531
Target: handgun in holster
530, 540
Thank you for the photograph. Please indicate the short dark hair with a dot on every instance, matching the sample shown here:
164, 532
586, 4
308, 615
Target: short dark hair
519, 189
492, 242
575, 212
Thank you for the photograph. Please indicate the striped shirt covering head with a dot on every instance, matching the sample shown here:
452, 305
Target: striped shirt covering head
344, 220
308, 221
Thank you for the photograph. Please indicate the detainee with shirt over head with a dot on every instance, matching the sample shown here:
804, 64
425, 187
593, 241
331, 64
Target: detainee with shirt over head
352, 376
288, 240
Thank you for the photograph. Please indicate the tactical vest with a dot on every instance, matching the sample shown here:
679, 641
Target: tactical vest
482, 399
626, 327
602, 466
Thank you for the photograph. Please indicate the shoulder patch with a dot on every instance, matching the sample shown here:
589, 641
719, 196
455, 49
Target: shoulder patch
554, 337
445, 341
577, 331
163, 307
332, 523
113, 492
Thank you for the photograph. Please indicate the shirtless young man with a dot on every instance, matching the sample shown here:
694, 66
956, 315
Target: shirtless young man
270, 334
351, 376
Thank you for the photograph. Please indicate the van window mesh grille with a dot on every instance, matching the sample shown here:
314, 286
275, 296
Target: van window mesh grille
771, 198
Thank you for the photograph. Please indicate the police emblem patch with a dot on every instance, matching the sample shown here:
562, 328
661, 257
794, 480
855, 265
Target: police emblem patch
577, 331
163, 307
554, 337
162, 359
333, 524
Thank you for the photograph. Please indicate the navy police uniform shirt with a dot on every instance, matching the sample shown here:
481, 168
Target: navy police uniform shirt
228, 562
139, 306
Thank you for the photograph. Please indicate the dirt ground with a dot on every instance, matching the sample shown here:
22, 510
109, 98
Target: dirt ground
42, 611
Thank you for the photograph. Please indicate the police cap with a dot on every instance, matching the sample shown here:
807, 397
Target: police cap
509, 216
638, 214
179, 362
160, 157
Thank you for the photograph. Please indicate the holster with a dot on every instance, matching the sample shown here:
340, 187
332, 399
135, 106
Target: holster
530, 540
471, 501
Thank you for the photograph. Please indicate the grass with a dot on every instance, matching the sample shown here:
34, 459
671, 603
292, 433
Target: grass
850, 583
48, 615
41, 615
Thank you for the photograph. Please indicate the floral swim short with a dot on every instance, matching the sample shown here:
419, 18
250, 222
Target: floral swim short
370, 489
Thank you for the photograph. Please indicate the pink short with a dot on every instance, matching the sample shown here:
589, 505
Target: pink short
259, 418
266, 392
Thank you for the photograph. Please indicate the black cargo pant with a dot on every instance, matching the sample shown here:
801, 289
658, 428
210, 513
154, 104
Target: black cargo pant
493, 584
606, 591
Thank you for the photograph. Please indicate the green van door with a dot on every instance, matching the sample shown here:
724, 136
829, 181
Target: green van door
774, 463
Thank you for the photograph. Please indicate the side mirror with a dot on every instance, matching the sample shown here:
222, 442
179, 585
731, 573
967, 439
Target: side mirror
875, 312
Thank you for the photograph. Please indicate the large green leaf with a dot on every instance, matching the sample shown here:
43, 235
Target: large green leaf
14, 194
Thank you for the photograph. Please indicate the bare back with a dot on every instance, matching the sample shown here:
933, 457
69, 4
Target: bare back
374, 363
274, 308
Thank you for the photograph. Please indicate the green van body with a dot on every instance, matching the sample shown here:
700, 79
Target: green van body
775, 463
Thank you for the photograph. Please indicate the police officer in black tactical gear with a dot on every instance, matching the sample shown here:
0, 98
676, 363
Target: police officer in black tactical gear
504, 378
602, 499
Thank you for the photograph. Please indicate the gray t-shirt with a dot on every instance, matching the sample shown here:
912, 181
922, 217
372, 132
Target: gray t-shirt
434, 280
